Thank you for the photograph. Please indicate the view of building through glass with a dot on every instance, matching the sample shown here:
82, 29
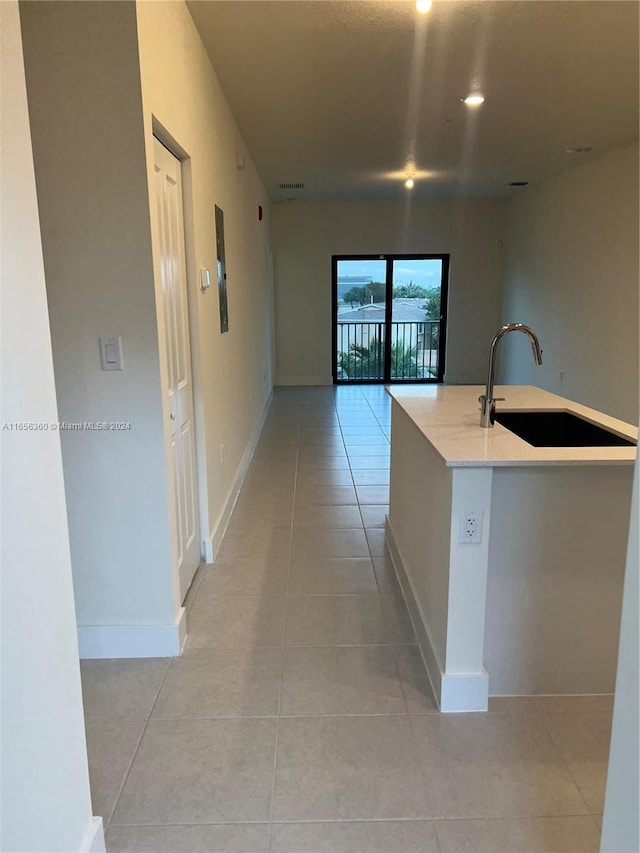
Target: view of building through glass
390, 314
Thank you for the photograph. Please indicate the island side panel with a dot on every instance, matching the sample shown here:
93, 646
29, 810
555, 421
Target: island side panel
468, 573
555, 575
419, 525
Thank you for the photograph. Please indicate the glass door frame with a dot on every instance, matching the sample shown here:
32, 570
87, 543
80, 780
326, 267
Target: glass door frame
389, 259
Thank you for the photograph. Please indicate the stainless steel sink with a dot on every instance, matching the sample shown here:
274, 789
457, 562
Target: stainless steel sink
559, 429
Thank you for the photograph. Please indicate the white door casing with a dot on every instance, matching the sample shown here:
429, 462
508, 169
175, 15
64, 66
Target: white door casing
178, 390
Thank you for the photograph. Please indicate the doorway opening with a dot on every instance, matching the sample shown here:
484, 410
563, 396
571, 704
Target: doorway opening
389, 318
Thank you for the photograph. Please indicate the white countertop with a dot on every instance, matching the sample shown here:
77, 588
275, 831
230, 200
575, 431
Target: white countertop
449, 418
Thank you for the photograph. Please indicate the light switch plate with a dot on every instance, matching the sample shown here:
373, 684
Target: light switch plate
111, 353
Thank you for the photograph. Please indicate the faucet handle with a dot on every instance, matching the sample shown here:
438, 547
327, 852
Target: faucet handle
499, 399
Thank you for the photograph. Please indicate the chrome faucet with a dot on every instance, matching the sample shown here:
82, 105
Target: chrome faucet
487, 400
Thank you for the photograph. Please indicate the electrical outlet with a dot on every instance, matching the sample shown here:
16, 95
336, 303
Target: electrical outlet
471, 527
222, 454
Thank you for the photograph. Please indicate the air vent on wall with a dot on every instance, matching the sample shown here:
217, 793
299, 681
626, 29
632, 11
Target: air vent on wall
291, 186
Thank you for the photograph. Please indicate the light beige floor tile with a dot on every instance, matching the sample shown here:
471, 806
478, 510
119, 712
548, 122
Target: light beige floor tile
271, 469
363, 463
322, 542
368, 477
269, 545
110, 749
265, 576
386, 576
325, 495
347, 767
347, 620
327, 426
552, 704
274, 458
574, 704
312, 478
121, 689
370, 446
376, 541
408, 836
583, 741
200, 771
248, 515
494, 765
235, 623
373, 494
221, 683
327, 517
326, 441
341, 680
252, 522
274, 494
374, 515
314, 454
333, 576
512, 705
370, 437
276, 454
214, 838
415, 681
271, 505
313, 462
524, 835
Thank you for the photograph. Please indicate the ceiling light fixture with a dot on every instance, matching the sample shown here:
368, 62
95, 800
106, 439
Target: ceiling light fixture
423, 6
473, 100
584, 150
409, 184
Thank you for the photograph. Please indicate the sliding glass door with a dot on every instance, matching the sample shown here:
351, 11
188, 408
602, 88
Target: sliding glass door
389, 318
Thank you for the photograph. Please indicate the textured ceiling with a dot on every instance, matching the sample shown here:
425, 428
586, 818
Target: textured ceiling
348, 96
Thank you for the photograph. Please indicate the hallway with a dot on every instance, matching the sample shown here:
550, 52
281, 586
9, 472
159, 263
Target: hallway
299, 718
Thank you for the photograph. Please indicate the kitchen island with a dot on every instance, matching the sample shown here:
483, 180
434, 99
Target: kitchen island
527, 602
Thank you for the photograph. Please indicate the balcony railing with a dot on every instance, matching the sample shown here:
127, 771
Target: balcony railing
414, 350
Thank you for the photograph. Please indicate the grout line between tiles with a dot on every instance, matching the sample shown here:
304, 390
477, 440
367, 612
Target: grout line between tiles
116, 801
565, 763
284, 640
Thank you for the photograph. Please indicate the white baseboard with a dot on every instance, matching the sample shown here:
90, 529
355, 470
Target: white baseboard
132, 641
93, 841
304, 380
454, 693
213, 542
468, 691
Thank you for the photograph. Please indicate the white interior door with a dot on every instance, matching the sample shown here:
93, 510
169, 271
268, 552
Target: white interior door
179, 390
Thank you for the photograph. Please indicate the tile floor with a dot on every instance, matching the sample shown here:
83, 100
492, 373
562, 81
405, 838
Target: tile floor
299, 717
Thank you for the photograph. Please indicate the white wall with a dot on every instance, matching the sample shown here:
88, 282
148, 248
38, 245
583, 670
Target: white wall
86, 115
45, 785
621, 823
306, 235
233, 370
554, 591
99, 75
572, 274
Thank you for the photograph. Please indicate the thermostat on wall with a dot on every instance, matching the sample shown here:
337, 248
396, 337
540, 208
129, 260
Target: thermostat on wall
205, 278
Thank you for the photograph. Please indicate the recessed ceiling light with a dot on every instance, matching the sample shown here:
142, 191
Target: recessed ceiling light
409, 184
423, 6
584, 150
473, 100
